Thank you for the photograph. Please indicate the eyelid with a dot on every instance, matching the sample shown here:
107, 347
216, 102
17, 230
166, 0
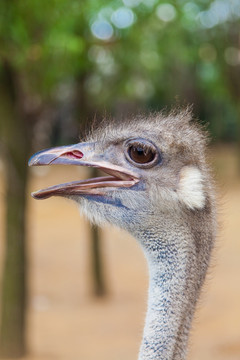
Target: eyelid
147, 144
142, 142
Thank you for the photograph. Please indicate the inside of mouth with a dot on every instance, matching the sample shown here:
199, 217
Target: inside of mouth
91, 182
108, 178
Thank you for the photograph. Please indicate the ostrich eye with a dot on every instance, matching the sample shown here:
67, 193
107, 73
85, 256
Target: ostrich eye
142, 153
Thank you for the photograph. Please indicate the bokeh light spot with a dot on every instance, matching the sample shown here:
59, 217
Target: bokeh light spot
208, 72
208, 19
166, 12
150, 59
191, 10
219, 12
122, 18
102, 29
222, 9
139, 88
93, 84
103, 58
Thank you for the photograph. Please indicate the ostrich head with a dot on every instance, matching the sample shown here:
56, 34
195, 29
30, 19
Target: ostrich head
155, 165
158, 187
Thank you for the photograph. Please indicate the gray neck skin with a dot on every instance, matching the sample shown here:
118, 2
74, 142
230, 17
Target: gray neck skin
175, 281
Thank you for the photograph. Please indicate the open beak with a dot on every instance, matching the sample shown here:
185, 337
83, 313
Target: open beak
82, 154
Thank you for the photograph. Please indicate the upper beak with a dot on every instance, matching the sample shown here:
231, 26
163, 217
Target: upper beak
66, 155
82, 154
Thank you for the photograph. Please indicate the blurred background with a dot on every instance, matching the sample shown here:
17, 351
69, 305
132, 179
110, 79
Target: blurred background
70, 291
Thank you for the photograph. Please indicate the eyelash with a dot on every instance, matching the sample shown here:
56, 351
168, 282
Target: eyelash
145, 147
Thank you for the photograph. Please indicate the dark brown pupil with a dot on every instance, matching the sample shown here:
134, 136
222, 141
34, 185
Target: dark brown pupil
140, 155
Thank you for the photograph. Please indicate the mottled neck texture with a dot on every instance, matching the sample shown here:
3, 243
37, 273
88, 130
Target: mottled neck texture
175, 282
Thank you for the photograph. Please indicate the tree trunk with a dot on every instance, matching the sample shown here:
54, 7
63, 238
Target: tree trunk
16, 145
97, 263
12, 338
83, 113
238, 138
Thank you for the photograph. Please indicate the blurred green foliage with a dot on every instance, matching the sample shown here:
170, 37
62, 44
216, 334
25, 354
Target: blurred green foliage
145, 52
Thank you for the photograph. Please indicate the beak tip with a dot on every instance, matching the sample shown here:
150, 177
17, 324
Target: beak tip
30, 162
35, 195
34, 160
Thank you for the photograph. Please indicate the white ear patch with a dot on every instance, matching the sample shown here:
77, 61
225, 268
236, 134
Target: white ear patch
190, 189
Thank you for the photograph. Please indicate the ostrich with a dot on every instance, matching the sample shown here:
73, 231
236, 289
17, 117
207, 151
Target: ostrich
158, 187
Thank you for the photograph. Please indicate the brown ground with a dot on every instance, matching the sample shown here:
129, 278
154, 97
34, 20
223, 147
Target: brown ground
66, 323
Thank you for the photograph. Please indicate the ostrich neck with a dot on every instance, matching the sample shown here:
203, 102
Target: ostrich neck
175, 281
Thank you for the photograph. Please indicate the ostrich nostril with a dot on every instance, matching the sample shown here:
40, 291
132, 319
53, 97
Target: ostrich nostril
75, 154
